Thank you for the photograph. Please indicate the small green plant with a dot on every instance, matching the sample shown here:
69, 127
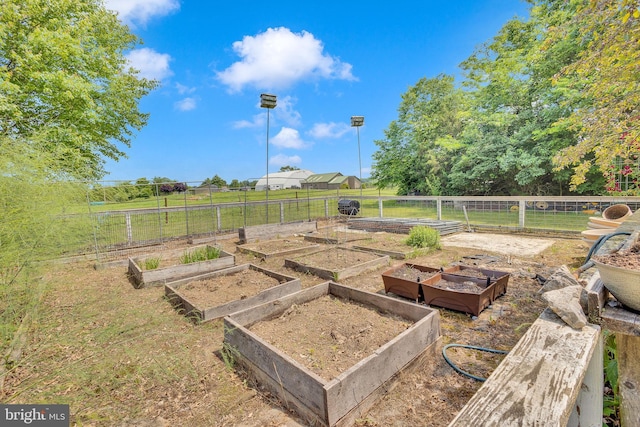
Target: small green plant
200, 254
423, 236
151, 263
611, 404
229, 355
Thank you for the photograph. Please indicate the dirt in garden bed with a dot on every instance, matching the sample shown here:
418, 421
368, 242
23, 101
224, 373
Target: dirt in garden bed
216, 291
275, 246
126, 357
407, 272
335, 259
337, 333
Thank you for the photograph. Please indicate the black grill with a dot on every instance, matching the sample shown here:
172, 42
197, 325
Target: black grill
348, 207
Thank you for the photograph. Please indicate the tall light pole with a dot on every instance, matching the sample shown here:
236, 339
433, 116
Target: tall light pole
267, 101
357, 121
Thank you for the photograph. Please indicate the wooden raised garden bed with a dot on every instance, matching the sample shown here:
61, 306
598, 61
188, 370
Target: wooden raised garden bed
226, 291
271, 231
337, 263
274, 248
159, 276
391, 244
335, 237
357, 387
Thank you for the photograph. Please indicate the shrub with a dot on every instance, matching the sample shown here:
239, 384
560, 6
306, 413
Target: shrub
423, 237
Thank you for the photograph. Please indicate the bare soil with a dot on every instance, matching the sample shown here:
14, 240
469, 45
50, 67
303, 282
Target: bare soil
337, 333
335, 259
219, 290
122, 356
624, 259
406, 272
465, 286
275, 246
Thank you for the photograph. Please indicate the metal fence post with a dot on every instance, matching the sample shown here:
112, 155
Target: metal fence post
127, 218
380, 212
522, 207
439, 208
186, 213
281, 212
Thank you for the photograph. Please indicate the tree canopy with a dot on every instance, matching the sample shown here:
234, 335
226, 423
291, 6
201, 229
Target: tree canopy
65, 85
544, 108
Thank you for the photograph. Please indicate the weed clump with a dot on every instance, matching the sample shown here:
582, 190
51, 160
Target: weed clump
423, 236
200, 254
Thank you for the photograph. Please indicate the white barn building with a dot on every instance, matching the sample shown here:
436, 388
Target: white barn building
283, 180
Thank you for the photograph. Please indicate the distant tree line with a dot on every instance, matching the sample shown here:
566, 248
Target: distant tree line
549, 106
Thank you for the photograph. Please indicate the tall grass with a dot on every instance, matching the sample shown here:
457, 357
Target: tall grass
34, 226
200, 254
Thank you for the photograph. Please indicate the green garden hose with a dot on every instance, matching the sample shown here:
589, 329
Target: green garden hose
472, 347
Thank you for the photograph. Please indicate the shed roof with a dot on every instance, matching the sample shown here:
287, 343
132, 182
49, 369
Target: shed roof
322, 177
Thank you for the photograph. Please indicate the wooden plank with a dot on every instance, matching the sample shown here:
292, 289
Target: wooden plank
160, 276
275, 308
267, 295
597, 296
270, 231
299, 264
349, 389
406, 309
538, 382
628, 348
621, 321
358, 413
306, 386
588, 409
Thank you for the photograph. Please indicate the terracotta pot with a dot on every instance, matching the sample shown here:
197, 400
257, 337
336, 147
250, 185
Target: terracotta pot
594, 234
623, 283
617, 212
597, 222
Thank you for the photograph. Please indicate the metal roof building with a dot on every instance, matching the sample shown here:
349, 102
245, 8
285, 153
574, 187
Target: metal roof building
330, 181
282, 180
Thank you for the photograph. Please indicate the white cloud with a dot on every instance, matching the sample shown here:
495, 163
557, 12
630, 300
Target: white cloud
182, 89
284, 160
278, 58
186, 104
140, 11
149, 63
288, 138
284, 111
328, 130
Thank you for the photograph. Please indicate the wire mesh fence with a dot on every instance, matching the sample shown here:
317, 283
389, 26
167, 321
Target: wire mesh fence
122, 227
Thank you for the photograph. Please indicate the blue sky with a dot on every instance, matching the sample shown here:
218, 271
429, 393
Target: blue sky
325, 61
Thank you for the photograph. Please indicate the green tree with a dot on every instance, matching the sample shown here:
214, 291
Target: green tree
65, 86
234, 183
289, 168
420, 145
144, 188
602, 88
216, 180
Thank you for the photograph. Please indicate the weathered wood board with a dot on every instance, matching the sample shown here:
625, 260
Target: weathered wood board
200, 313
159, 276
330, 402
273, 231
552, 375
